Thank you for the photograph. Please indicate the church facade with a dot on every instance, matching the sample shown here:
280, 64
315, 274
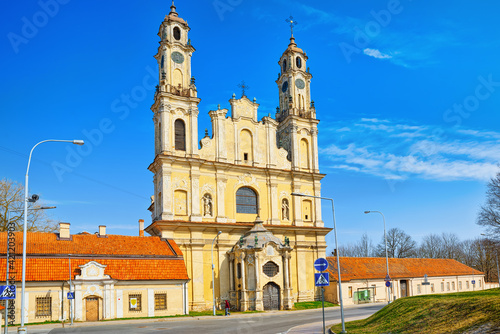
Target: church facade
227, 199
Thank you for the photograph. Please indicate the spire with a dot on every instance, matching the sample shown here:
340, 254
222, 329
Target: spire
172, 10
292, 23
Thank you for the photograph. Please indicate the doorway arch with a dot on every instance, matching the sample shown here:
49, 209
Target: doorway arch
271, 296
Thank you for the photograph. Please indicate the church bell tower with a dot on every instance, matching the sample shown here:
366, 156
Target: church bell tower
296, 114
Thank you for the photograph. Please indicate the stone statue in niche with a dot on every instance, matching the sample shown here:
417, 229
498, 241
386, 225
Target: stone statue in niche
285, 210
207, 205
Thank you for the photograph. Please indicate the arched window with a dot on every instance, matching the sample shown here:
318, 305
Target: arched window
298, 62
246, 201
284, 65
180, 135
162, 61
177, 33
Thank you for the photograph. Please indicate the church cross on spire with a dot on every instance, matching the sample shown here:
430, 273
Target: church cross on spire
292, 23
172, 9
243, 87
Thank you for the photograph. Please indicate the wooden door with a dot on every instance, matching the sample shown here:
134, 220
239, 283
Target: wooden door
92, 309
404, 289
271, 297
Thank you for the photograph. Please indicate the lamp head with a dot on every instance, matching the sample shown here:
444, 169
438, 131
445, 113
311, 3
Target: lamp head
367, 211
219, 232
78, 142
297, 194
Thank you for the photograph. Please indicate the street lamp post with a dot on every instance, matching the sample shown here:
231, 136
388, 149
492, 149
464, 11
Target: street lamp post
23, 329
213, 267
386, 256
7, 259
337, 248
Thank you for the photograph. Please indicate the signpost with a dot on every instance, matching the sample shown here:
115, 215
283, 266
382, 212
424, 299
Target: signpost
71, 295
7, 292
388, 284
322, 279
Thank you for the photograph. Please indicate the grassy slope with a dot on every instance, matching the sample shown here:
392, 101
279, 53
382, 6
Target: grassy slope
444, 313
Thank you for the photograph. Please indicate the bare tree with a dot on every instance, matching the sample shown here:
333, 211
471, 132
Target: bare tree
12, 199
489, 215
451, 246
431, 247
362, 248
399, 245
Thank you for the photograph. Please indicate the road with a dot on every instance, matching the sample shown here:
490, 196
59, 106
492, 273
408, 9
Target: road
277, 322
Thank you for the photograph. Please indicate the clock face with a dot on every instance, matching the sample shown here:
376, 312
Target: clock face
284, 87
177, 57
300, 83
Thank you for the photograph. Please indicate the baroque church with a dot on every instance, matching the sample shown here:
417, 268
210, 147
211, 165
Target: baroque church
227, 199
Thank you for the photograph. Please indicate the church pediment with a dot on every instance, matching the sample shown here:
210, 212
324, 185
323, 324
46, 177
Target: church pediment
244, 108
92, 271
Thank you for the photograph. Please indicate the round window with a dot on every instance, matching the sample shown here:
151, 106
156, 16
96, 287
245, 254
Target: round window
271, 269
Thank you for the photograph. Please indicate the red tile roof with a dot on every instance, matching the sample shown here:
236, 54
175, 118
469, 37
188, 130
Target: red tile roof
353, 268
126, 257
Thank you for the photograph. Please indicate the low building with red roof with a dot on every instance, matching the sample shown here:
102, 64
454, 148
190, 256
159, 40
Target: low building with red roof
364, 278
112, 276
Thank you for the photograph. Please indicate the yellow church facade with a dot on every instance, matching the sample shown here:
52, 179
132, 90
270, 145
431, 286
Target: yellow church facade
227, 199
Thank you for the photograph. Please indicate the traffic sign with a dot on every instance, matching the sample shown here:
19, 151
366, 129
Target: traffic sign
321, 264
322, 279
473, 282
7, 292
71, 295
387, 278
388, 284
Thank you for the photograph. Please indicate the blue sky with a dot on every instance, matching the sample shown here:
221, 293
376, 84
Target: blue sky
407, 93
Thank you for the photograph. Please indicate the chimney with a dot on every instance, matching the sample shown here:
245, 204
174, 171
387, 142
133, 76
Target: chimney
141, 227
102, 231
64, 231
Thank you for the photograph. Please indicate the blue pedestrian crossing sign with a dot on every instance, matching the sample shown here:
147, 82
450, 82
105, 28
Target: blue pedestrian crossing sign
71, 295
321, 264
322, 279
7, 292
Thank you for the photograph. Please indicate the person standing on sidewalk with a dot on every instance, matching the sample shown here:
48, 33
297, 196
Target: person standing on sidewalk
227, 307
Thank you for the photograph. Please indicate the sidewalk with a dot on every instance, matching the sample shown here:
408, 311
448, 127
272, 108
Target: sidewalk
307, 328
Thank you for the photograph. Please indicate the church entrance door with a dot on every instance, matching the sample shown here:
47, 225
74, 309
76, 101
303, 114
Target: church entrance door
271, 296
92, 309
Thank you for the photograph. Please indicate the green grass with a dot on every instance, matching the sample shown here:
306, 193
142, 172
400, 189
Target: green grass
444, 313
311, 305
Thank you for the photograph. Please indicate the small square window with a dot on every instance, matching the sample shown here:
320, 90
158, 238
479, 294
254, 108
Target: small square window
43, 307
160, 301
135, 302
245, 156
432, 287
350, 292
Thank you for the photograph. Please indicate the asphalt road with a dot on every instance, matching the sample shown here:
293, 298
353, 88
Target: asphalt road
260, 323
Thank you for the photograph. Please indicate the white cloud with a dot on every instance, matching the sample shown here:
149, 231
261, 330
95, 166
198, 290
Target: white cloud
376, 54
398, 151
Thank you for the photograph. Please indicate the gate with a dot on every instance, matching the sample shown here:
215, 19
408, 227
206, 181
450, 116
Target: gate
92, 309
271, 296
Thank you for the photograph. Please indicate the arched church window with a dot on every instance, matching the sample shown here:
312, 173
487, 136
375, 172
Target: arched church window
180, 135
162, 61
271, 269
298, 62
177, 33
207, 205
246, 201
285, 209
284, 65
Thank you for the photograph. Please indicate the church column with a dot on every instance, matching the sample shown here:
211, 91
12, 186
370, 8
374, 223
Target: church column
165, 127
244, 306
197, 271
271, 142
314, 153
195, 194
193, 121
221, 189
237, 158
231, 272
274, 203
259, 305
297, 206
295, 148
287, 302
166, 194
